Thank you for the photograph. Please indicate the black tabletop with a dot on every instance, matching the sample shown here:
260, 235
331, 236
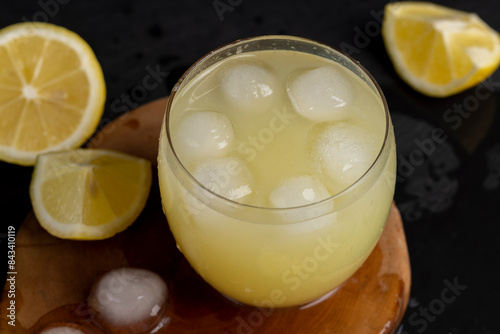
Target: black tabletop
448, 150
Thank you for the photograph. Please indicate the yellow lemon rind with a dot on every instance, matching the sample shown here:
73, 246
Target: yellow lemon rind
475, 75
80, 230
97, 89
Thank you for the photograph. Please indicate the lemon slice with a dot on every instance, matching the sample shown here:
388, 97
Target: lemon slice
52, 91
89, 194
437, 50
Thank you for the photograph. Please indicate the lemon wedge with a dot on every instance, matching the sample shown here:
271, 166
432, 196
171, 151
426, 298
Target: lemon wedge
89, 194
437, 50
52, 91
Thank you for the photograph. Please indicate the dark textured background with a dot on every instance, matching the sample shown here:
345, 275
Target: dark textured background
448, 192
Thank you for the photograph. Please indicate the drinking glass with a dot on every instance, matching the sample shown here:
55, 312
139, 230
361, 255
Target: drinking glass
267, 256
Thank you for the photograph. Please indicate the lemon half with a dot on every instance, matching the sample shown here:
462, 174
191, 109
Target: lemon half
52, 91
437, 50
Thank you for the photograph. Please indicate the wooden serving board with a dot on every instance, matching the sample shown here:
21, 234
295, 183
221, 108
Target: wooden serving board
54, 276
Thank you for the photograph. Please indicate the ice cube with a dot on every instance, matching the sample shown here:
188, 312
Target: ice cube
228, 177
344, 151
203, 133
321, 94
248, 85
128, 296
298, 191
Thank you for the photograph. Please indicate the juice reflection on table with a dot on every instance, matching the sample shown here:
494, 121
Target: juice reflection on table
276, 169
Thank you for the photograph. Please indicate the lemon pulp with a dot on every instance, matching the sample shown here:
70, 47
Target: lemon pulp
52, 91
89, 193
437, 50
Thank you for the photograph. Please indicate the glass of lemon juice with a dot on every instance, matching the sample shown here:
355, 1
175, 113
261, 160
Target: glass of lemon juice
276, 168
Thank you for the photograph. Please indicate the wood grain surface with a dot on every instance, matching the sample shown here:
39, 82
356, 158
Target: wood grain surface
54, 276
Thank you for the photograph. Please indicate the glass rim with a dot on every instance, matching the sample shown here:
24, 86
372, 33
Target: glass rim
220, 49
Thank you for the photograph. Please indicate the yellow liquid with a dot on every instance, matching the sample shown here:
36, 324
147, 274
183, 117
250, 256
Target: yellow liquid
277, 257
